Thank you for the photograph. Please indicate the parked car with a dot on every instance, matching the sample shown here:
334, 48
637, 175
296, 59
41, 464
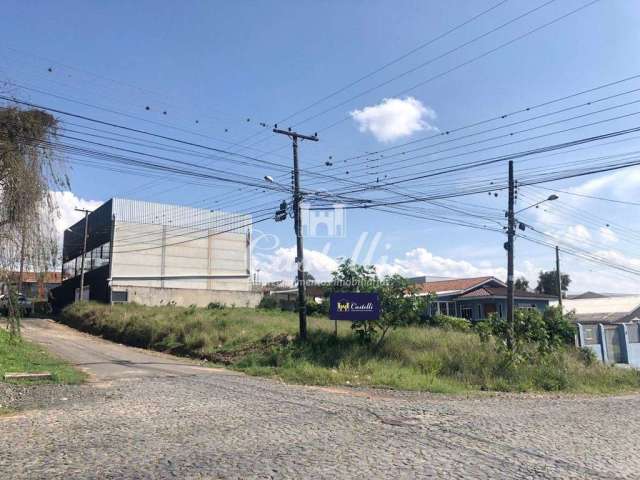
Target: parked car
24, 305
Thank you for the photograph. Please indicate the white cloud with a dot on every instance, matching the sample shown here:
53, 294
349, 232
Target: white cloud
619, 184
607, 235
619, 258
280, 265
420, 261
67, 202
577, 234
394, 118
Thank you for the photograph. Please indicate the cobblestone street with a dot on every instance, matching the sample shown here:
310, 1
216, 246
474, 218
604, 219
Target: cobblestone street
220, 424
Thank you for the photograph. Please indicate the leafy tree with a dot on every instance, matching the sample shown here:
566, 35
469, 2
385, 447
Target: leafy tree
28, 172
521, 284
399, 300
352, 277
399, 305
548, 284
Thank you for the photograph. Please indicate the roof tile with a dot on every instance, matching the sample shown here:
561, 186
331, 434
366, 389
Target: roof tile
452, 285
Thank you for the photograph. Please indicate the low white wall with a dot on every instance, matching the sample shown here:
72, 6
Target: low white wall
187, 296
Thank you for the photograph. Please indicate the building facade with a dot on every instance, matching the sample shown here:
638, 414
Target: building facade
478, 298
154, 254
35, 285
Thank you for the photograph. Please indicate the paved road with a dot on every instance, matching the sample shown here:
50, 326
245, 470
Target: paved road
104, 360
185, 422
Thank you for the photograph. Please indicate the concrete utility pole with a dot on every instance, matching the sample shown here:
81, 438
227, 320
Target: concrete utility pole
84, 248
558, 277
510, 239
297, 199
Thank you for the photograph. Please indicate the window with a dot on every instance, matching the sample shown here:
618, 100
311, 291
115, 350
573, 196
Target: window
442, 308
100, 256
467, 312
526, 307
96, 258
451, 308
591, 336
634, 332
500, 310
119, 296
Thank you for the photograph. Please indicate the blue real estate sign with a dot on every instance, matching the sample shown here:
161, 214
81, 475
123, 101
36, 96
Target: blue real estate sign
354, 306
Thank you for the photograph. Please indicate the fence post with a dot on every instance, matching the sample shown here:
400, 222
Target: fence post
625, 336
603, 343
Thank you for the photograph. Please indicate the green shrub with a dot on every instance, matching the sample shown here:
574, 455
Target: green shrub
314, 308
215, 306
560, 329
547, 332
449, 323
268, 303
587, 356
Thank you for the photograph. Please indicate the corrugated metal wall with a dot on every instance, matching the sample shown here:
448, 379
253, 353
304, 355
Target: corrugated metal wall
178, 216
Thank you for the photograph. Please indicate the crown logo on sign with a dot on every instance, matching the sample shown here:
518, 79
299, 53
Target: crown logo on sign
343, 306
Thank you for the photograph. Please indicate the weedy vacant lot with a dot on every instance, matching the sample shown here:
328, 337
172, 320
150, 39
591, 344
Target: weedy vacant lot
262, 342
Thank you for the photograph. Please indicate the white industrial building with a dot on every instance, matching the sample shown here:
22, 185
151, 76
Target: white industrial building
154, 254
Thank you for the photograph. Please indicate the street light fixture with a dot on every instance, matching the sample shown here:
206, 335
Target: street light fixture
550, 198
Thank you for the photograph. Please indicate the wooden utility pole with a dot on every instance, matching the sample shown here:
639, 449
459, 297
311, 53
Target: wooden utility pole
297, 221
510, 240
558, 277
84, 248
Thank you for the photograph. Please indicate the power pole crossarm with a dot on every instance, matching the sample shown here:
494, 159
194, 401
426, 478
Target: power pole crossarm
297, 200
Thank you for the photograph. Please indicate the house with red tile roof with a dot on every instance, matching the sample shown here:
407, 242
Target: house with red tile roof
35, 285
478, 297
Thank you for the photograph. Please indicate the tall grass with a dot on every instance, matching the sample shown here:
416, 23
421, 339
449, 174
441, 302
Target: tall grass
261, 342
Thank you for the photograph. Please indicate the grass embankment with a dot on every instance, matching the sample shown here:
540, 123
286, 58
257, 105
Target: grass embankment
259, 342
18, 355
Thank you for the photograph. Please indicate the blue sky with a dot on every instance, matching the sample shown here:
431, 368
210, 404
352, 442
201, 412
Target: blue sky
221, 63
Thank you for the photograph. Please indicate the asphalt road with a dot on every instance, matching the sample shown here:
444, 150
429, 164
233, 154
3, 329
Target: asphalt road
104, 360
153, 416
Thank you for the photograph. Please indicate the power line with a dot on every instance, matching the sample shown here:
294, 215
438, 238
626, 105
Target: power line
450, 131
456, 67
395, 60
594, 197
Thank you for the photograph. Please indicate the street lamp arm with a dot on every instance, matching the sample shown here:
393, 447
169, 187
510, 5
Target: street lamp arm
550, 198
